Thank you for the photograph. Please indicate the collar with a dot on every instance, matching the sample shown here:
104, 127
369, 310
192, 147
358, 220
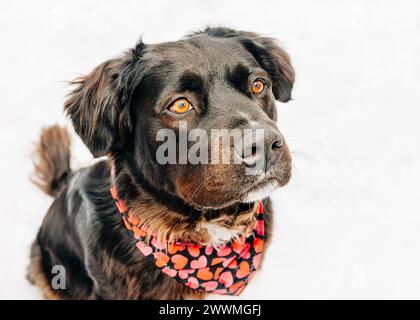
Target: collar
225, 270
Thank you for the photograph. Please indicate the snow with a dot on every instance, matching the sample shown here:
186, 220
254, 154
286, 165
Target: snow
347, 226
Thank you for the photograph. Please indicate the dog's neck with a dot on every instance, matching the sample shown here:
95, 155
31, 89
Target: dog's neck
172, 220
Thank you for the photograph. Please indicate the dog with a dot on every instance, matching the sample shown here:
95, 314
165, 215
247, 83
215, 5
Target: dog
104, 217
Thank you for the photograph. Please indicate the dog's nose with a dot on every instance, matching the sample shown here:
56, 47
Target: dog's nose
275, 144
260, 149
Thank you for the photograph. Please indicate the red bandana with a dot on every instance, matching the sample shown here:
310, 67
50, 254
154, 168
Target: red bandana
226, 270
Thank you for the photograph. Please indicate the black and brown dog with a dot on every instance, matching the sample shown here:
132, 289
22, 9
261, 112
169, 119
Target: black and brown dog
228, 79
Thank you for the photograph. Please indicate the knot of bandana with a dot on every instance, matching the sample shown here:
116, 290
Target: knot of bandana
225, 270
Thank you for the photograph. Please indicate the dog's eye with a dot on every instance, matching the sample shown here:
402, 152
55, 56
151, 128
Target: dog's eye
258, 86
180, 106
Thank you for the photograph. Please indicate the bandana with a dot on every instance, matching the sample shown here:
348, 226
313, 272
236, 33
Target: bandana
225, 270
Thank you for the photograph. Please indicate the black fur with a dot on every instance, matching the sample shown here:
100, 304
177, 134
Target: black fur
117, 110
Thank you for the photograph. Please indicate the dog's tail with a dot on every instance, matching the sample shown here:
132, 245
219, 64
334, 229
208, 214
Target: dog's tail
52, 160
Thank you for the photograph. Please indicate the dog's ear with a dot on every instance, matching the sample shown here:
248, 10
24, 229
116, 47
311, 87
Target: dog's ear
273, 59
268, 53
99, 104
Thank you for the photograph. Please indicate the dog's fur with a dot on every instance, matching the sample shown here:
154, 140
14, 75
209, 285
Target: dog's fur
117, 110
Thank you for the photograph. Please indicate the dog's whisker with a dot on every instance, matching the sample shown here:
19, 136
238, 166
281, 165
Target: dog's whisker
303, 155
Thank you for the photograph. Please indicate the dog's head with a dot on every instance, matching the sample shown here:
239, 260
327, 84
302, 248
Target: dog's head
216, 79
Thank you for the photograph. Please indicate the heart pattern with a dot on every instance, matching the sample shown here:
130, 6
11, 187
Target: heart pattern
243, 270
185, 273
199, 263
146, 250
170, 272
205, 274
179, 261
161, 259
194, 251
174, 248
225, 270
226, 278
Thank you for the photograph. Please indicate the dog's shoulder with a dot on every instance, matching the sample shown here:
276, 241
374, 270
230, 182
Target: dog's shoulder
87, 184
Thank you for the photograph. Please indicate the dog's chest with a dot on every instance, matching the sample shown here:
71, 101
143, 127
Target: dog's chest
219, 235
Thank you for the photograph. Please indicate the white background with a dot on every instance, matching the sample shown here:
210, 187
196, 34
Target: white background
348, 224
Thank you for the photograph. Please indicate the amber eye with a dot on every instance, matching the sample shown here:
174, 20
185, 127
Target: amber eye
258, 86
180, 106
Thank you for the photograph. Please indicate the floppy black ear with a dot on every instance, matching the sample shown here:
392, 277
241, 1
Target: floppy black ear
99, 104
268, 53
273, 59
